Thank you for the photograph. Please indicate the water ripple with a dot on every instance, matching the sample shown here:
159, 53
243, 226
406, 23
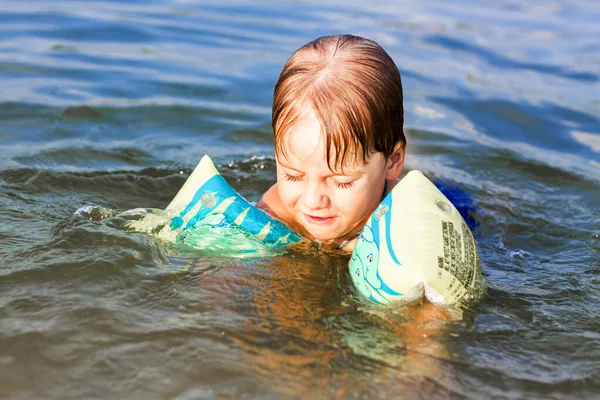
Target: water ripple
114, 102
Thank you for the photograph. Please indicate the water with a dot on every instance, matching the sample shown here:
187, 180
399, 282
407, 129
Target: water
114, 102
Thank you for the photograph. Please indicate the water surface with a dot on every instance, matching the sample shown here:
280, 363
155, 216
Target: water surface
114, 102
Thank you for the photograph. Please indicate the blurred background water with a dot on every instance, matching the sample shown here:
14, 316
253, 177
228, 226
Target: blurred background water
114, 102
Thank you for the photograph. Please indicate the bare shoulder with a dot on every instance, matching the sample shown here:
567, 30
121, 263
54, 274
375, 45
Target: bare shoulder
272, 204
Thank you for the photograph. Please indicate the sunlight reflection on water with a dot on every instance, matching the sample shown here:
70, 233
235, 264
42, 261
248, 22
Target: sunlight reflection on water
501, 100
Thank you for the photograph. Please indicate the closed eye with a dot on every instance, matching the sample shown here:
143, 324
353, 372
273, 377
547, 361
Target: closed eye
344, 185
291, 178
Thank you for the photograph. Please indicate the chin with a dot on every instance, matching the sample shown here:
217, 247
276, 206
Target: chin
323, 235
322, 238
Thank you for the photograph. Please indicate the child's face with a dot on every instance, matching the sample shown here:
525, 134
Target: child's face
329, 205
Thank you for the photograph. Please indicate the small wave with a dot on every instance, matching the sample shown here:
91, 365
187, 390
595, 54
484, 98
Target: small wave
90, 158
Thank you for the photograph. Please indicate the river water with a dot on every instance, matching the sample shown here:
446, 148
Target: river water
114, 102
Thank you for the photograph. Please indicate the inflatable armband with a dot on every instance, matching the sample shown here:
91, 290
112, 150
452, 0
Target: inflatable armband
415, 243
207, 205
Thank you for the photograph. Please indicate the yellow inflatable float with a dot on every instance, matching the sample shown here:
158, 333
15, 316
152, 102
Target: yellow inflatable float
415, 244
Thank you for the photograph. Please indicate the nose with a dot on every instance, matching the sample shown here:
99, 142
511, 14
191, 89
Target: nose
315, 196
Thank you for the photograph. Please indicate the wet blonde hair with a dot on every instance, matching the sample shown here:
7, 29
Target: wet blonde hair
355, 90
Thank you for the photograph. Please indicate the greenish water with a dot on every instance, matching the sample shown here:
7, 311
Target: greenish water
114, 102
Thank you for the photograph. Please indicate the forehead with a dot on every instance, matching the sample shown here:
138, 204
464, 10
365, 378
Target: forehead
304, 142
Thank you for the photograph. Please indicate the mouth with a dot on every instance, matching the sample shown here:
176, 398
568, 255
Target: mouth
318, 220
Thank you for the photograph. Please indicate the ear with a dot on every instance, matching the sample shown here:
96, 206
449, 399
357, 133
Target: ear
395, 162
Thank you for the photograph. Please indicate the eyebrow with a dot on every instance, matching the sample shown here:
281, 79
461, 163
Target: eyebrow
288, 167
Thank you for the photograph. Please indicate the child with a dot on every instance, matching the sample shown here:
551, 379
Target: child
339, 141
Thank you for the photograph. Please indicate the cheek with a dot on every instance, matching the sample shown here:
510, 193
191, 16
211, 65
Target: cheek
352, 203
288, 192
358, 202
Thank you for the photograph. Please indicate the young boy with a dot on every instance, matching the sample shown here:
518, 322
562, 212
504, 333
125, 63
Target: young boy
339, 141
